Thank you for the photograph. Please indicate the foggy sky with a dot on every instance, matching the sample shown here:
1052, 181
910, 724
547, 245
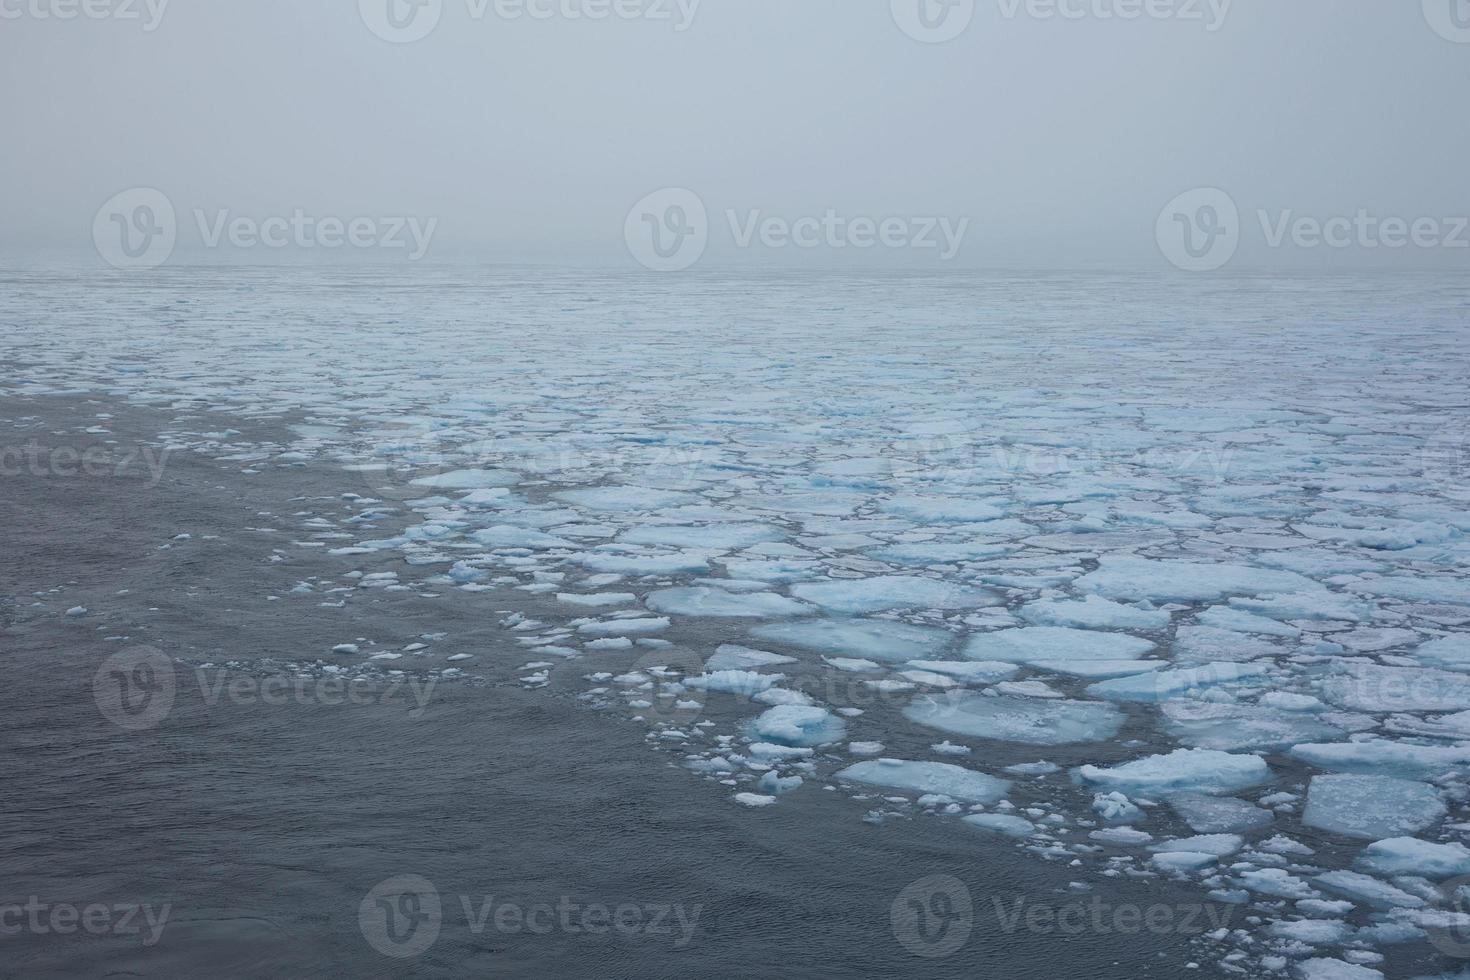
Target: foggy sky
1059, 139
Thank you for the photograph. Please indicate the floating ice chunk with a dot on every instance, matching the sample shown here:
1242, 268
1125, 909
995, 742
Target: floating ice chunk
732, 657
1097, 670
865, 748
1278, 883
1385, 758
873, 638
1116, 808
798, 725
949, 748
1219, 814
1312, 932
969, 671
745, 682
1182, 860
1164, 684
1032, 643
1411, 856
1450, 652
884, 592
774, 570
922, 553
951, 510
1121, 836
625, 627
1371, 807
754, 799
1326, 606
1450, 590
778, 785
1369, 687
854, 665
1017, 719
1206, 644
1240, 621
1029, 689
721, 537
1001, 823
1093, 612
672, 563
1182, 771
1286, 701
611, 643
597, 599
701, 600
625, 498
928, 777
507, 536
1368, 890
1325, 968
1175, 581
1032, 768
469, 479
1215, 845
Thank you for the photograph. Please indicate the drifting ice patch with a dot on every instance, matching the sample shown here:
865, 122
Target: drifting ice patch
1178, 581
702, 600
928, 777
798, 726
875, 639
1371, 807
1182, 771
1034, 643
1017, 719
855, 596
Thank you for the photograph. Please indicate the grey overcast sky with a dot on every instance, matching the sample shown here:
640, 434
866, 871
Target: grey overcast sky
1059, 128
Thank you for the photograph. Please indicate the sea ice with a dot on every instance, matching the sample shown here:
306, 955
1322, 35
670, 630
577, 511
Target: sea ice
1030, 721
1182, 771
875, 639
928, 777
1371, 807
1033, 643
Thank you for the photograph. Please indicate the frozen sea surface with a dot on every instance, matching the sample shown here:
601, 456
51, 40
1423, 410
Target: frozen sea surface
1193, 539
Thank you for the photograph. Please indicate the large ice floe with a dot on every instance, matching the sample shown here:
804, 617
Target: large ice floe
1175, 584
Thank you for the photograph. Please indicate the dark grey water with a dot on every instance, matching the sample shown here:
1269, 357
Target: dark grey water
259, 829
